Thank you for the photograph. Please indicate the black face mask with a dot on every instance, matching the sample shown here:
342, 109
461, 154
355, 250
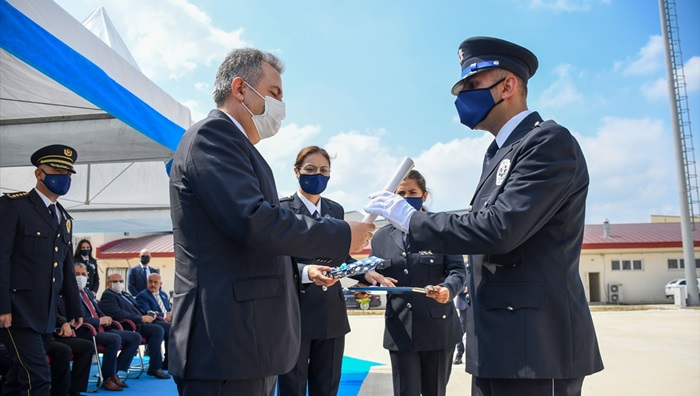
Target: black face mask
145, 259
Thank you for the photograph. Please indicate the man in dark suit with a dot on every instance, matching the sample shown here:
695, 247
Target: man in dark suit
137, 277
529, 328
156, 300
120, 305
233, 242
36, 260
111, 339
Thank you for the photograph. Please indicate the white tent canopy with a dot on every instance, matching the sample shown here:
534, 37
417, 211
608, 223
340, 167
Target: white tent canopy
61, 83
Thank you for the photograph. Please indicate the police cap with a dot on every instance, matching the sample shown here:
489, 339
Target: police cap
477, 54
57, 156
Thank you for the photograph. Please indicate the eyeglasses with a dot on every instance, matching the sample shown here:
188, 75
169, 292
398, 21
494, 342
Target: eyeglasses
313, 169
119, 281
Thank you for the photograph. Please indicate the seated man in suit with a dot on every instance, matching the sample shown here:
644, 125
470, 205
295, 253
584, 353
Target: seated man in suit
111, 339
154, 299
122, 305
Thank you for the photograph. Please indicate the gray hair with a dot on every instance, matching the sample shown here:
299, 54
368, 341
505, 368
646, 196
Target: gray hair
81, 265
245, 63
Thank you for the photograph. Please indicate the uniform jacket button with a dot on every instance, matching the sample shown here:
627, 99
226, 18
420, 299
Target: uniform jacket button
408, 305
510, 308
55, 249
444, 316
324, 288
432, 261
55, 265
405, 271
403, 254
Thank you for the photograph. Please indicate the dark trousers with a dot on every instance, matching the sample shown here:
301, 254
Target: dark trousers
82, 351
319, 363
155, 335
252, 387
526, 387
60, 368
463, 321
28, 366
111, 340
166, 338
421, 373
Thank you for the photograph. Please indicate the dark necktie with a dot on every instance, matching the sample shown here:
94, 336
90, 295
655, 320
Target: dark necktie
490, 153
145, 274
315, 215
52, 211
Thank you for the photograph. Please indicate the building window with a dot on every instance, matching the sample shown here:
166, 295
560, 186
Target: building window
677, 264
627, 265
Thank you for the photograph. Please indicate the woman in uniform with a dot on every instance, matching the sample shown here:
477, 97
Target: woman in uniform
324, 319
421, 330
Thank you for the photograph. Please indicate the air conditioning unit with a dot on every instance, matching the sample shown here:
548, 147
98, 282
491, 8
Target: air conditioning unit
615, 293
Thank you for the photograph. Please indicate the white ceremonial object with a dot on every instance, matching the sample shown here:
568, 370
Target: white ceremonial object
399, 174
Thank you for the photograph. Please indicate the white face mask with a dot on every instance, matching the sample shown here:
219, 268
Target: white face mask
117, 287
82, 281
269, 122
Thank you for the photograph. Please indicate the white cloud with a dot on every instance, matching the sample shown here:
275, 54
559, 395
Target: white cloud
658, 90
563, 91
169, 38
655, 90
630, 162
650, 58
691, 70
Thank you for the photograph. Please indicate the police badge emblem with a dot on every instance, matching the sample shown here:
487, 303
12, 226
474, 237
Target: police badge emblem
503, 169
68, 225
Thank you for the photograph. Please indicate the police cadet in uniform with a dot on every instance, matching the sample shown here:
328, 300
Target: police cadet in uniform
529, 328
36, 267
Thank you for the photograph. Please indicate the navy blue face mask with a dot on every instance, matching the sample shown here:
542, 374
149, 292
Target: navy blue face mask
85, 252
57, 184
475, 105
416, 202
313, 184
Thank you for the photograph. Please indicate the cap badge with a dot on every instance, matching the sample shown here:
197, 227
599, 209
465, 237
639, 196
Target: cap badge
503, 169
461, 55
68, 152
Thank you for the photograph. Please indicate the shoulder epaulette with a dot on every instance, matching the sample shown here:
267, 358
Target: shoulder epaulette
289, 198
15, 195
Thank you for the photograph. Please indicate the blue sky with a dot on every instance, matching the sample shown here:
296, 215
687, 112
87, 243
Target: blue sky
370, 81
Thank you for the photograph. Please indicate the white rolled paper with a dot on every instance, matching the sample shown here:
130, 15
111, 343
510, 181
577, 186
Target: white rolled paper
399, 174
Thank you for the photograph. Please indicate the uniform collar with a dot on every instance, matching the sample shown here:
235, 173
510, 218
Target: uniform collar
509, 127
310, 205
44, 198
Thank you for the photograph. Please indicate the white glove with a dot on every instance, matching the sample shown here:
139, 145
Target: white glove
392, 207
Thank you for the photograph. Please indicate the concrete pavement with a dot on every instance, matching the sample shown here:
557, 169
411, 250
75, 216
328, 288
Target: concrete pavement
645, 352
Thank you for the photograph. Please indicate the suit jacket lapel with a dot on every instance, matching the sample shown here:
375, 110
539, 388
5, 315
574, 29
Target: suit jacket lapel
518, 133
41, 208
298, 206
397, 237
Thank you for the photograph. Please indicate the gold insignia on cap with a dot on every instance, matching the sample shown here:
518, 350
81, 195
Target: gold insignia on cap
68, 152
461, 55
68, 225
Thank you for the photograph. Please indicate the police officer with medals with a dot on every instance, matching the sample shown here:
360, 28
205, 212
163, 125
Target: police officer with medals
36, 267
